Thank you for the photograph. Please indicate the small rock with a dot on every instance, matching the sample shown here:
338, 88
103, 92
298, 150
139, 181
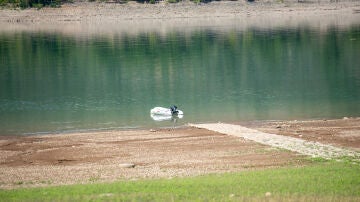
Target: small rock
152, 130
300, 135
127, 165
345, 118
231, 195
267, 194
278, 126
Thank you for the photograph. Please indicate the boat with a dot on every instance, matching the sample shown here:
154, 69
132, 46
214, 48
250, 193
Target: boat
163, 114
172, 111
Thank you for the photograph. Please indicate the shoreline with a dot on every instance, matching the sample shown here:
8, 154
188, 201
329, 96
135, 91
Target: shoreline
282, 127
255, 124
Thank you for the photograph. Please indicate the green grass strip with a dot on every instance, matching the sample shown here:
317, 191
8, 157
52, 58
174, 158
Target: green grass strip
324, 181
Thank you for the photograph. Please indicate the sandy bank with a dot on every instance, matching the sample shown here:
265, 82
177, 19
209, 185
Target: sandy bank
95, 17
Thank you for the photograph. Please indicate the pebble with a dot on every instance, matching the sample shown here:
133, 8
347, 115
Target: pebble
268, 194
152, 130
127, 165
345, 118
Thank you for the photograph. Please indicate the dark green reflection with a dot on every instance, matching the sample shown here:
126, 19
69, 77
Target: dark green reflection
52, 82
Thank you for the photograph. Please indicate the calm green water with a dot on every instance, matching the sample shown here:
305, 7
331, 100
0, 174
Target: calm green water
51, 82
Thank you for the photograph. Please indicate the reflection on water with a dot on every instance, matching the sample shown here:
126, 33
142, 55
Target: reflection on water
55, 82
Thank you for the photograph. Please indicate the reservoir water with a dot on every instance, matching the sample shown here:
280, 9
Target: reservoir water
55, 82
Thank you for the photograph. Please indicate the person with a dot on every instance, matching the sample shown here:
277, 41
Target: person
174, 110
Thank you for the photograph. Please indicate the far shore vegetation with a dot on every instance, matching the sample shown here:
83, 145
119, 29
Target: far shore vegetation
31, 3
57, 3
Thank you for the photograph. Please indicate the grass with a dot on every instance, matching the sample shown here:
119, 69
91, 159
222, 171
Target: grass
321, 181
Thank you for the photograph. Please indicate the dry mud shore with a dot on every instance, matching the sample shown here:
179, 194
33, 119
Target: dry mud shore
94, 17
48, 160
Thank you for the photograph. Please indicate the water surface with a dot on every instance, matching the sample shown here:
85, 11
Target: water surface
52, 82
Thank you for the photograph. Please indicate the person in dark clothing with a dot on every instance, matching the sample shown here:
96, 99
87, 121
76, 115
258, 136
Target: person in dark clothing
174, 110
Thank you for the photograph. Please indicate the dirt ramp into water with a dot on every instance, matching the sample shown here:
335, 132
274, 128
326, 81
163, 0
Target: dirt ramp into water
311, 148
343, 132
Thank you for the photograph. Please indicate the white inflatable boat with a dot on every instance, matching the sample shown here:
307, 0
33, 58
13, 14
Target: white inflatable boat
165, 111
163, 114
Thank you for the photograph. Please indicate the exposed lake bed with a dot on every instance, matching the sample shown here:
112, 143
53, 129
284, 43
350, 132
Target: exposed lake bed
50, 160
